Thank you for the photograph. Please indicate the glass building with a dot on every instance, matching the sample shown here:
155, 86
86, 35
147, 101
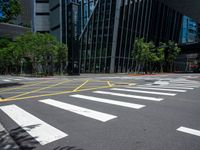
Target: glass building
100, 34
107, 39
189, 31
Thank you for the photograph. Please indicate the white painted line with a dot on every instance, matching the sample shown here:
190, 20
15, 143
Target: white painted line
157, 89
80, 110
146, 92
38, 129
171, 87
109, 101
6, 80
189, 131
17, 79
184, 85
186, 82
129, 96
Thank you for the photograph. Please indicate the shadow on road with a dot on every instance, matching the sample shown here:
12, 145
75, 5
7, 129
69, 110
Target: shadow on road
3, 85
23, 140
67, 148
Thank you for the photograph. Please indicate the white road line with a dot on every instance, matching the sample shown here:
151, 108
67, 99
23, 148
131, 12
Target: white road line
109, 101
17, 79
157, 89
146, 92
6, 80
38, 129
184, 85
189, 131
171, 87
186, 82
129, 96
80, 110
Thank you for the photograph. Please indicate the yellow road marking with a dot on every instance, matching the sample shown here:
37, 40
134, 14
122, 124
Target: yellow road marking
109, 83
17, 88
53, 94
98, 81
76, 89
37, 90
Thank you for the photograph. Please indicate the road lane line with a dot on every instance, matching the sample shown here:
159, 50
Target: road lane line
146, 92
179, 87
53, 94
170, 87
5, 80
184, 85
185, 82
38, 129
18, 79
129, 96
76, 89
109, 83
189, 131
189, 83
157, 89
109, 101
79, 110
37, 90
24, 86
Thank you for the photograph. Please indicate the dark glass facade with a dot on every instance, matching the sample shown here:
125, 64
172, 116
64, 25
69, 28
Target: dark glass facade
107, 38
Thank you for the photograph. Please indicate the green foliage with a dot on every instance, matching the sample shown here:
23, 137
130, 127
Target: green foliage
147, 55
10, 10
173, 51
5, 54
43, 51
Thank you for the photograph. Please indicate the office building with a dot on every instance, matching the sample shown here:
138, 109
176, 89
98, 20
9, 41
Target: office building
26, 17
107, 39
100, 34
41, 16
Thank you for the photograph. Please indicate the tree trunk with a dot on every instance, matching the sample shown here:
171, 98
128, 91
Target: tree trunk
161, 67
171, 66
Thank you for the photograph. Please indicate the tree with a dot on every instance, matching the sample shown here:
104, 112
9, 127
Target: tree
43, 51
139, 53
10, 9
5, 55
172, 52
161, 55
62, 57
152, 54
144, 54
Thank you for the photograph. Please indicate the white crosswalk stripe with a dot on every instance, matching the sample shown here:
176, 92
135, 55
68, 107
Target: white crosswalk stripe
142, 91
156, 89
184, 85
80, 110
189, 82
109, 101
189, 131
5, 80
38, 129
170, 87
17, 79
129, 96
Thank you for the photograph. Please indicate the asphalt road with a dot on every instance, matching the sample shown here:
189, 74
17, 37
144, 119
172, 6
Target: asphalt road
102, 112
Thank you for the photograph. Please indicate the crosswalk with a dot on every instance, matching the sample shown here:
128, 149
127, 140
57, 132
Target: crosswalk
45, 133
18, 79
6, 80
